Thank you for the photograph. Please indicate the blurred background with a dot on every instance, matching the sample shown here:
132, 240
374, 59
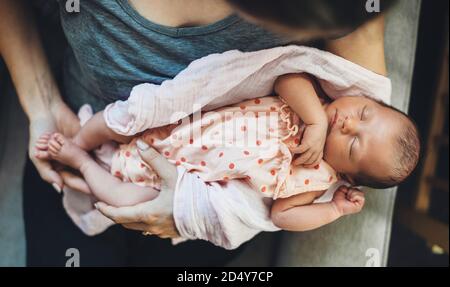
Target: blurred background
420, 228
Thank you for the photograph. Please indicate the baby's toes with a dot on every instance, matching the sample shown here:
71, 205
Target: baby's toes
41, 154
45, 136
54, 147
42, 145
59, 138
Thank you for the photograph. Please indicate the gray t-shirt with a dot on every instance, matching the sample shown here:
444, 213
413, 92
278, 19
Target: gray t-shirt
113, 48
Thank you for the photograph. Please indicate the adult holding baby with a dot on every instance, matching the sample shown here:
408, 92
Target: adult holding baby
109, 51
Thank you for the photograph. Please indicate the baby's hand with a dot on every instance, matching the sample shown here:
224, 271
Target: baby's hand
348, 200
312, 144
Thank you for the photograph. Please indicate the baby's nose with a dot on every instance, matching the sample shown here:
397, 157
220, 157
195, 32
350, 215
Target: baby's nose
350, 126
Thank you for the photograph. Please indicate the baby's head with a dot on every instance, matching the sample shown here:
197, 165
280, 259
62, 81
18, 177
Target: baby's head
370, 143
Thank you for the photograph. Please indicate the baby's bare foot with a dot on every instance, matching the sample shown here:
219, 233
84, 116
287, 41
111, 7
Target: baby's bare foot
41, 146
66, 152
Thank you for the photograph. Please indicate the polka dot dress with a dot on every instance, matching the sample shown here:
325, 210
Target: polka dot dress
248, 141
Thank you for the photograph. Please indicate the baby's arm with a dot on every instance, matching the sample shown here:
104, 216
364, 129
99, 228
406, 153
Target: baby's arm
300, 92
95, 133
298, 213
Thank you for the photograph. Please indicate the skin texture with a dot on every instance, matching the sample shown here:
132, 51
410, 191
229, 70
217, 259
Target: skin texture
21, 49
361, 136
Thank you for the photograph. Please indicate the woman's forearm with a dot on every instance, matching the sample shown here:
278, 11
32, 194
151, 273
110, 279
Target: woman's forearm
22, 51
365, 46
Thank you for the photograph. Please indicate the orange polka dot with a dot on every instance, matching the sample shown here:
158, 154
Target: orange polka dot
246, 152
317, 166
127, 154
260, 161
297, 141
191, 141
306, 181
258, 142
242, 107
231, 166
273, 172
118, 174
203, 163
183, 159
221, 154
166, 153
257, 101
263, 188
226, 178
204, 147
273, 109
177, 163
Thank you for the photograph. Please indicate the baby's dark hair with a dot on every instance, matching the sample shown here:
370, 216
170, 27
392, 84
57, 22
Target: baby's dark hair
407, 144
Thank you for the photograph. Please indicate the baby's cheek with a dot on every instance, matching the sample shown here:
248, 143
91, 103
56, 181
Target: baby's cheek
331, 153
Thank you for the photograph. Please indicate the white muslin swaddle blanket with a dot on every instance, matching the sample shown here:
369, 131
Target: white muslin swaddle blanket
226, 214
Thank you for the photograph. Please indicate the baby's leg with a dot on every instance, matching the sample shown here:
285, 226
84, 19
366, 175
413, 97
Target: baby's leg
103, 185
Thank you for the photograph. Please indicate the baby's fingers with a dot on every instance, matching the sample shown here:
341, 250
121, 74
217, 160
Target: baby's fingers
303, 158
314, 160
304, 147
356, 196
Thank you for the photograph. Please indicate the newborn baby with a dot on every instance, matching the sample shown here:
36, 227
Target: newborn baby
291, 147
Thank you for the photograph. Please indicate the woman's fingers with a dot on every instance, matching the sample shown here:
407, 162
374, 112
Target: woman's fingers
47, 173
138, 226
165, 170
127, 214
119, 215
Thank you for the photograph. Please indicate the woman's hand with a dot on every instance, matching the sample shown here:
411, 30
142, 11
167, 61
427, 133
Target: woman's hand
58, 118
152, 217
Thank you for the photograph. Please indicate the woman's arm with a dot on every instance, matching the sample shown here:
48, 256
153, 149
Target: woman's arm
22, 51
365, 46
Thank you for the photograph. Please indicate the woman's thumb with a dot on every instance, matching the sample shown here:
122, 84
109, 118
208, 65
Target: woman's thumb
159, 163
49, 175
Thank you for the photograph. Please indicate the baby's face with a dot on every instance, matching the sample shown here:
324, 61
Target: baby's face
360, 137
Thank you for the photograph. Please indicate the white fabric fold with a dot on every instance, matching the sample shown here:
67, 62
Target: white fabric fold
234, 76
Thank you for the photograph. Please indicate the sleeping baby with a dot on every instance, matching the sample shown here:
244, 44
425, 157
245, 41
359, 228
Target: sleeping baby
291, 146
